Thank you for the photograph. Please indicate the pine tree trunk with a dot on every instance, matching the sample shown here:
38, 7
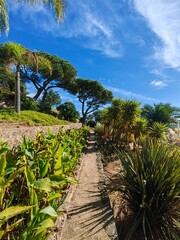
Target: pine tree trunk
17, 91
84, 120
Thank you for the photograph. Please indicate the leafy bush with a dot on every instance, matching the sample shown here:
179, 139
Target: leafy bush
99, 129
151, 185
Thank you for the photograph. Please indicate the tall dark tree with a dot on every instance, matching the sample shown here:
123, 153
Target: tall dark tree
51, 99
61, 76
91, 95
67, 111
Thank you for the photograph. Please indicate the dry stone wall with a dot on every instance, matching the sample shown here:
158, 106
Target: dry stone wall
14, 134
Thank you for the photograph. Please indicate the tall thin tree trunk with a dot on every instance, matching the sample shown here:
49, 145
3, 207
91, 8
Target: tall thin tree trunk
17, 91
84, 120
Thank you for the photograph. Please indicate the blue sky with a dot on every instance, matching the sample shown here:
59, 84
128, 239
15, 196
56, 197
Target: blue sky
131, 46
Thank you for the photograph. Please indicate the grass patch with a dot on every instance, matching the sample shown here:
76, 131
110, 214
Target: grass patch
31, 118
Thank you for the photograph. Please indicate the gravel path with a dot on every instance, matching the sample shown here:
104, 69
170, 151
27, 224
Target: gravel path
86, 214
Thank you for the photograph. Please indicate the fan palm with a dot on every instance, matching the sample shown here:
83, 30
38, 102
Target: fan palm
4, 22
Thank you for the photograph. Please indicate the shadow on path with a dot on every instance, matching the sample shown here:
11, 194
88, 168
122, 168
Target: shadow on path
99, 214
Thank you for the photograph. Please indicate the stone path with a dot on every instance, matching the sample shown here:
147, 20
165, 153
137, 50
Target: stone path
87, 217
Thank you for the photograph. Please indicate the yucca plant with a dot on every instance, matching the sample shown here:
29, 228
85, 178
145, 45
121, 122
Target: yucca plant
158, 130
151, 186
140, 127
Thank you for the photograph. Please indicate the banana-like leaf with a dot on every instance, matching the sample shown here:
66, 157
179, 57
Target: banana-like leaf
2, 165
49, 211
58, 165
71, 180
54, 196
13, 176
43, 167
42, 228
12, 211
30, 177
45, 184
9, 170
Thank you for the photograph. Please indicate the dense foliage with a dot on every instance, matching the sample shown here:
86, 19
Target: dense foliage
67, 111
91, 95
32, 177
62, 74
162, 113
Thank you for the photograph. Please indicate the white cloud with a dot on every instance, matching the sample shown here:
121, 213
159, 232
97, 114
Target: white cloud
91, 26
159, 84
130, 94
163, 17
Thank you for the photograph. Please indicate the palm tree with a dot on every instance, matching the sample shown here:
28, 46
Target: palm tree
17, 56
4, 22
161, 113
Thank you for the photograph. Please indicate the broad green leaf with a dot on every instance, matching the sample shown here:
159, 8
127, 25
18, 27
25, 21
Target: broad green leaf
9, 170
44, 226
50, 211
12, 211
71, 180
54, 196
45, 184
2, 165
58, 165
13, 176
30, 153
30, 177
43, 167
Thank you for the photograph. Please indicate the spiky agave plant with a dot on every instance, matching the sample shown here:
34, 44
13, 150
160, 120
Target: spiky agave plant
151, 185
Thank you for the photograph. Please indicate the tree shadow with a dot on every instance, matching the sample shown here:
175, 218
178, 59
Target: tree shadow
98, 212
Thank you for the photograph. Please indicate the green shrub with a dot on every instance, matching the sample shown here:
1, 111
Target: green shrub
151, 185
99, 128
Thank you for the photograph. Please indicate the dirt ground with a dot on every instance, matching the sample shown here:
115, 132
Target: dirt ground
87, 217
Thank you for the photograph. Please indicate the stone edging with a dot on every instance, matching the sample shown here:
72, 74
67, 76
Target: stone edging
110, 229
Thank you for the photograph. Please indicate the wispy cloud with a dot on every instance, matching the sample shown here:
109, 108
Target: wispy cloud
123, 92
91, 27
159, 84
163, 17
